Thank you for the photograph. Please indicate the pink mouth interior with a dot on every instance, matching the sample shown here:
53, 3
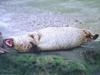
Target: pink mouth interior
9, 42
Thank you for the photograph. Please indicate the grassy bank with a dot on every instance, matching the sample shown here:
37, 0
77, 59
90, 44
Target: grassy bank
32, 64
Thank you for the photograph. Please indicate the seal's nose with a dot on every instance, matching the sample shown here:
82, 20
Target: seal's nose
95, 36
8, 42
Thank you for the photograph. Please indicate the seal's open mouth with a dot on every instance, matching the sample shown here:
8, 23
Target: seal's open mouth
9, 42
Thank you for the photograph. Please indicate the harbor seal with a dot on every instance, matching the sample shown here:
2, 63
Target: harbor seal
50, 38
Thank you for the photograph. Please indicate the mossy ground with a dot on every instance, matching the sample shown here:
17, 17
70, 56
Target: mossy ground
75, 62
32, 64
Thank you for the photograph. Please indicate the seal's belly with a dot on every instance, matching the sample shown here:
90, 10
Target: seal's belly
59, 39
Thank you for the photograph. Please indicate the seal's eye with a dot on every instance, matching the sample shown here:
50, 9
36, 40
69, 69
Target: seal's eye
9, 42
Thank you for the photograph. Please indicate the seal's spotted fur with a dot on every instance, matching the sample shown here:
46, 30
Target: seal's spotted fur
52, 38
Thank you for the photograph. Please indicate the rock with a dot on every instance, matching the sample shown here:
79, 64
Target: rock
2, 50
91, 56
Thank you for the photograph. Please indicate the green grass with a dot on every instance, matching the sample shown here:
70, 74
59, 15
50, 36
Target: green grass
37, 64
32, 64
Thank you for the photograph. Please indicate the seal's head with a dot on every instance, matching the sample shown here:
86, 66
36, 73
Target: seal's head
22, 43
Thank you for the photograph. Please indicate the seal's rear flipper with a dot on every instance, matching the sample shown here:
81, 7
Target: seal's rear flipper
95, 36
